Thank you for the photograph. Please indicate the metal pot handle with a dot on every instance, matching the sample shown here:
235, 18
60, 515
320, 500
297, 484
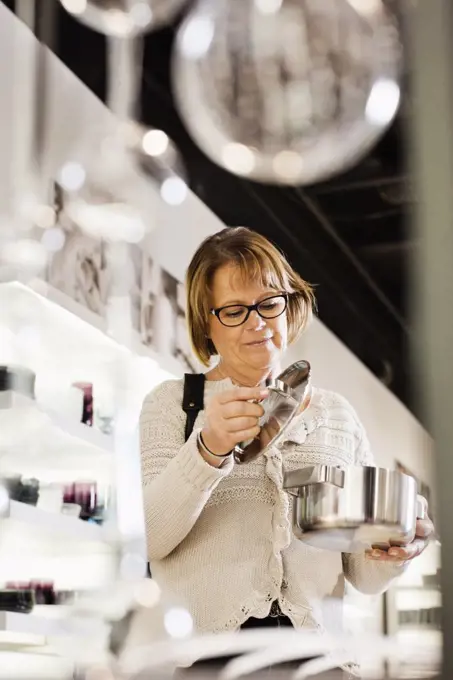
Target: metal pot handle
422, 507
318, 474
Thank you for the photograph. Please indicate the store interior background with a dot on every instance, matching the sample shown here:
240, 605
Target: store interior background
358, 343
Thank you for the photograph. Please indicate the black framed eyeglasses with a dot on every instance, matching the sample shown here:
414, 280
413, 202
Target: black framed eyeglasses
236, 315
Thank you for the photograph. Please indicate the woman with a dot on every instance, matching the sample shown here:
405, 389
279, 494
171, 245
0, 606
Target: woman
219, 534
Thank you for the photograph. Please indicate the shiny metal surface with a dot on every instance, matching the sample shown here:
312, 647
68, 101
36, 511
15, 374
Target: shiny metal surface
353, 509
289, 395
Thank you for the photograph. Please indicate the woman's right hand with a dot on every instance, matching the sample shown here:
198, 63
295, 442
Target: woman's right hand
232, 417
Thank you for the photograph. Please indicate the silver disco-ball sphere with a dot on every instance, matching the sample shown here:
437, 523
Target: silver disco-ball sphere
123, 18
287, 91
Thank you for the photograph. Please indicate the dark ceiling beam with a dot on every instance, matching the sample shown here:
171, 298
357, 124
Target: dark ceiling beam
365, 217
363, 233
355, 263
384, 249
357, 185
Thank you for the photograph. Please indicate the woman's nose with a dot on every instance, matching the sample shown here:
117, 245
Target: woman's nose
255, 321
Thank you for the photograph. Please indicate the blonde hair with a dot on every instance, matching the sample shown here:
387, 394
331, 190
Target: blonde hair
257, 259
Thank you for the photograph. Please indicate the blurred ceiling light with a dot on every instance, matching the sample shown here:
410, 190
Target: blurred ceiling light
142, 14
288, 165
268, 6
44, 216
53, 239
383, 102
72, 176
147, 593
153, 153
155, 142
110, 221
196, 37
178, 622
238, 158
173, 190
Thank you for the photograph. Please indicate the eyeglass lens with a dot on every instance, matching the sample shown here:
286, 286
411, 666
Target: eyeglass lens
270, 308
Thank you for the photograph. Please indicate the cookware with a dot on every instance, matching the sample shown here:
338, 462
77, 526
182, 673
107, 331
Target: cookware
289, 395
353, 509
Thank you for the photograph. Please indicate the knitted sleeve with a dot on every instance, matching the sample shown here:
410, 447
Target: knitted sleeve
368, 576
177, 481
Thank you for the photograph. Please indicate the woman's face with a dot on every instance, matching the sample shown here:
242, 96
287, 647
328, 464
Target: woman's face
258, 343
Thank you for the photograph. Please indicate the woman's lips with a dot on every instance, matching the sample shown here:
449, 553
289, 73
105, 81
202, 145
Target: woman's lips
258, 343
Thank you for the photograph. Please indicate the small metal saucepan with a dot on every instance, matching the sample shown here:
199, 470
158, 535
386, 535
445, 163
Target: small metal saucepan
353, 509
289, 395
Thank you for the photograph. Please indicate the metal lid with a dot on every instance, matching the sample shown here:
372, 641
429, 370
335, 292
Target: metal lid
288, 397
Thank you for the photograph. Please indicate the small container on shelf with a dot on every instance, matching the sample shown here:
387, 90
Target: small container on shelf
15, 380
17, 600
88, 408
12, 484
29, 491
20, 489
85, 495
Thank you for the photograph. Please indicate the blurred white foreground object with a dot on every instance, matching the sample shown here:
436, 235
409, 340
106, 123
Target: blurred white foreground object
287, 91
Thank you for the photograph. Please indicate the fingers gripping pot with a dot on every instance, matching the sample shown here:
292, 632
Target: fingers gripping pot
289, 395
353, 509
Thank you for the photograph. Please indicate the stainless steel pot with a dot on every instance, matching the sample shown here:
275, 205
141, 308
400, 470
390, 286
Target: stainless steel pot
289, 395
353, 509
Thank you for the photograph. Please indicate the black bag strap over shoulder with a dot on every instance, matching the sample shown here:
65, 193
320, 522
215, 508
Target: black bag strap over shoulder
192, 404
193, 399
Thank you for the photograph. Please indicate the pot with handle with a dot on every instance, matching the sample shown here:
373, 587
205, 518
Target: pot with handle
353, 509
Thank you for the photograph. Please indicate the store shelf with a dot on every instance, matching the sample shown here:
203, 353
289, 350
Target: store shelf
55, 523
59, 425
63, 342
84, 433
24, 663
70, 316
35, 623
47, 621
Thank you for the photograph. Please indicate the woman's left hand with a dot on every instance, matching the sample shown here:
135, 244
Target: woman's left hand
424, 532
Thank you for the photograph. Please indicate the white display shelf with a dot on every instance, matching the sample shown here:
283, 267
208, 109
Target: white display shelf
63, 342
48, 621
65, 427
25, 663
84, 433
70, 317
56, 523
39, 622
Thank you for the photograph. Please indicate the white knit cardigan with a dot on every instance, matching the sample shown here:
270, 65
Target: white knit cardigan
220, 540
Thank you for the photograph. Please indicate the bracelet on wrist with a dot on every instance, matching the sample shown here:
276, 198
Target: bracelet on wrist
208, 451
